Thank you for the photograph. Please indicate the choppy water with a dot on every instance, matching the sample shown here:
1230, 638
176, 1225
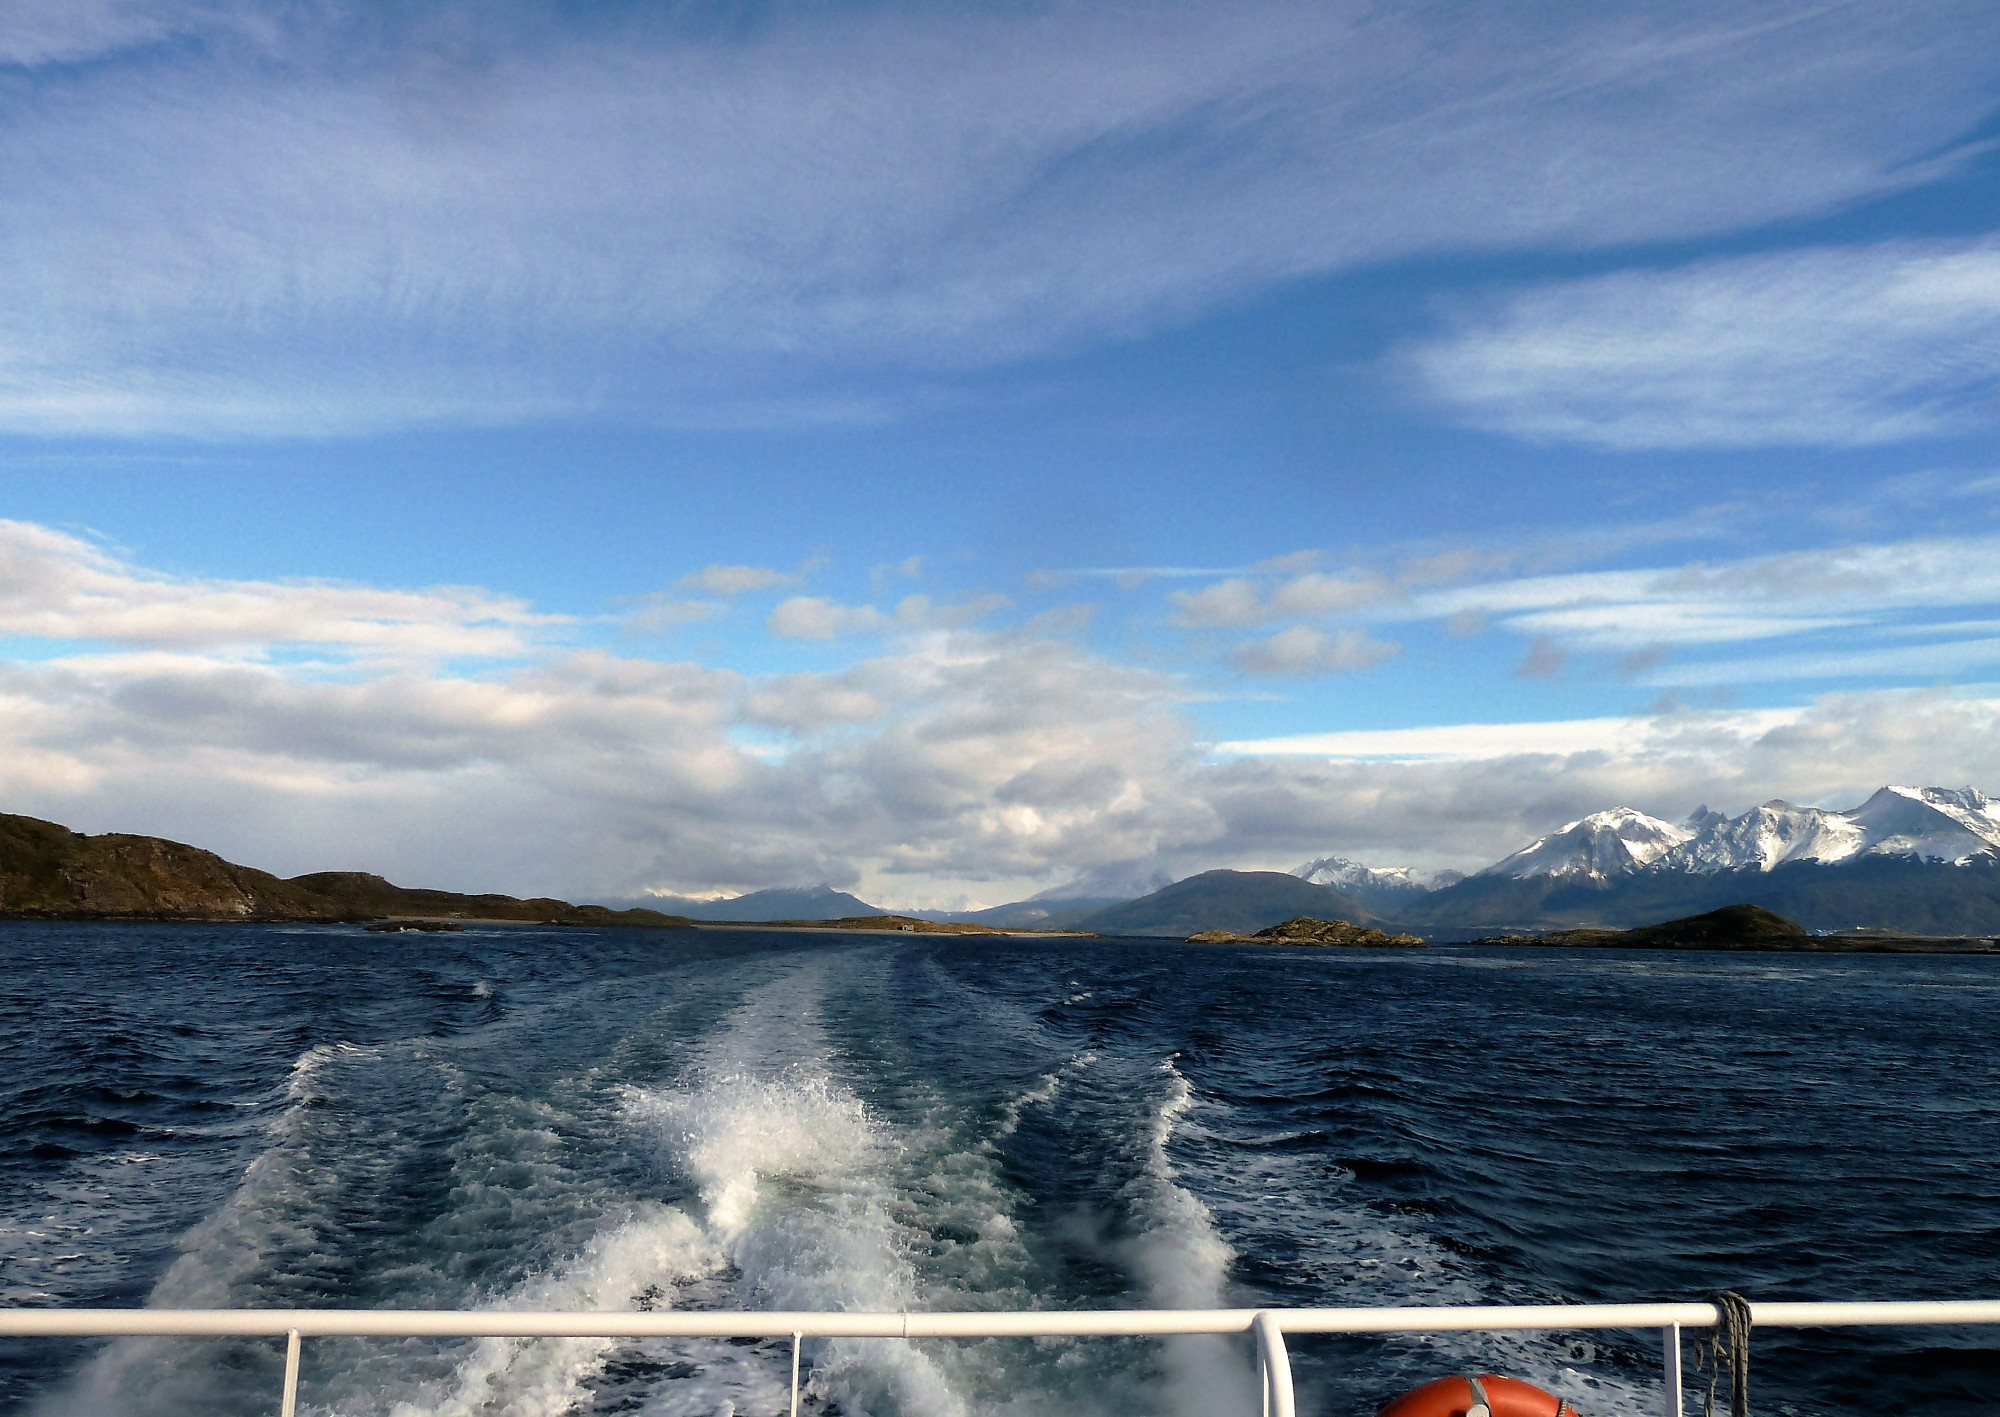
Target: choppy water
278, 1116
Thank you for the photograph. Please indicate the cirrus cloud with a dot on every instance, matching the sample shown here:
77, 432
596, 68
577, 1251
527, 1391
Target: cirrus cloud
329, 219
1816, 348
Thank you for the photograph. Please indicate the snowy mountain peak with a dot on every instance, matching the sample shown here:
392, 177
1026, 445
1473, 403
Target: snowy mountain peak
1939, 823
1701, 819
1343, 874
1604, 844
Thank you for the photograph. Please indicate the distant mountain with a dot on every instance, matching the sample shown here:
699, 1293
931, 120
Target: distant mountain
1036, 913
1240, 901
50, 872
1059, 907
1920, 859
821, 902
1383, 890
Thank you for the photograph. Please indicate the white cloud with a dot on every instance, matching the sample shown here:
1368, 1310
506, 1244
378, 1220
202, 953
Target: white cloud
811, 617
1755, 599
1952, 660
318, 221
1238, 602
1301, 649
737, 580
666, 614
1818, 348
58, 587
71, 31
1473, 742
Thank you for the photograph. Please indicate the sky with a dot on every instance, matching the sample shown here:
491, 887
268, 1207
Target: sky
952, 452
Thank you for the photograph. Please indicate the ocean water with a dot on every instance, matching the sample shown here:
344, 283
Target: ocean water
512, 1116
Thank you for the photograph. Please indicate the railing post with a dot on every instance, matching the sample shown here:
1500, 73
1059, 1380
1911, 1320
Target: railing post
796, 1337
1277, 1364
291, 1399
1670, 1344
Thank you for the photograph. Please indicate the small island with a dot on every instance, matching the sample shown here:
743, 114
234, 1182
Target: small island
1305, 930
1746, 927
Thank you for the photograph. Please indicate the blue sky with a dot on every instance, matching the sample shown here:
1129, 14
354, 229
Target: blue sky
947, 450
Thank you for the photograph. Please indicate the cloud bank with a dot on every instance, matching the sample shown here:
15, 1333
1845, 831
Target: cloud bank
461, 739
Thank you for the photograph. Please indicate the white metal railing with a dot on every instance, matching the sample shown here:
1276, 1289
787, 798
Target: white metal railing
1267, 1326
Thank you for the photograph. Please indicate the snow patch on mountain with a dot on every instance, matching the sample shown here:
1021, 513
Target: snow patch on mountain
1617, 842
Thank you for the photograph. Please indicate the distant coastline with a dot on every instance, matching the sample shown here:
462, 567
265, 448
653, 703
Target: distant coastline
48, 872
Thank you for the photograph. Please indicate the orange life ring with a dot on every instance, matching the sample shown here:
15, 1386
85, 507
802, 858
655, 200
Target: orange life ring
1484, 1396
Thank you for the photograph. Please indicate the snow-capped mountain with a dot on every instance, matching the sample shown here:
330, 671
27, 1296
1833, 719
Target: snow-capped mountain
1934, 823
1617, 842
1342, 874
1385, 890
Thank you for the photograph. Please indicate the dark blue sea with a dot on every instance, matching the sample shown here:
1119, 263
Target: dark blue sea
281, 1116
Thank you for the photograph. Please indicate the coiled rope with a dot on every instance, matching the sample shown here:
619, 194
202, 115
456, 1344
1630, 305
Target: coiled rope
1727, 1345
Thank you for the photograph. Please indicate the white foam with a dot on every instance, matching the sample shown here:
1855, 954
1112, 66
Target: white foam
796, 1178
1182, 1262
653, 1249
1042, 1093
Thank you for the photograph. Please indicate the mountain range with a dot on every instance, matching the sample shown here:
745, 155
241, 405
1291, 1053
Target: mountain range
1919, 859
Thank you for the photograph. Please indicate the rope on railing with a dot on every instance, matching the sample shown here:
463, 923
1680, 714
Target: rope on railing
1727, 1345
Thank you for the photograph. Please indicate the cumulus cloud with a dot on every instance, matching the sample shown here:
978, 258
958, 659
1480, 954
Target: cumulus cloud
1301, 649
1816, 348
737, 580
811, 617
958, 762
320, 219
664, 612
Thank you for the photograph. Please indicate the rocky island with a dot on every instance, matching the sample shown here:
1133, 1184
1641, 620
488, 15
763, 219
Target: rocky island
1305, 930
